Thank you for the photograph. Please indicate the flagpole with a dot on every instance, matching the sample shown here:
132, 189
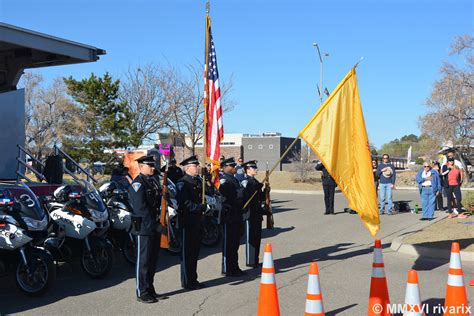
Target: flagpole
206, 100
267, 177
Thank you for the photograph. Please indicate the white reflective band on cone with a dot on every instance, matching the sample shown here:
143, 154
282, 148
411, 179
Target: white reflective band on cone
378, 273
455, 280
412, 295
455, 261
313, 284
268, 278
378, 255
267, 260
314, 307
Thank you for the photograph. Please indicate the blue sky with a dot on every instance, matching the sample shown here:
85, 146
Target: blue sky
267, 47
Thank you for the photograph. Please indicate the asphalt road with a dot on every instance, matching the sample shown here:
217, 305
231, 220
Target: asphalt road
340, 244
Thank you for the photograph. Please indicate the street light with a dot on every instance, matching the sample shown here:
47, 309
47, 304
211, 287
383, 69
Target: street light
320, 88
321, 62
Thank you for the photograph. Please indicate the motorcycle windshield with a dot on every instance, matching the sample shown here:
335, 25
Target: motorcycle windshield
91, 197
26, 202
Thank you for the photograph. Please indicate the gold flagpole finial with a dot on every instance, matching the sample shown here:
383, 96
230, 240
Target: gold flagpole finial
208, 7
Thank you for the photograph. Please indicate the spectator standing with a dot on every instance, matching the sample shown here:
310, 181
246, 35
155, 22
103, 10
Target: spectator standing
439, 196
429, 184
387, 175
376, 178
329, 187
454, 178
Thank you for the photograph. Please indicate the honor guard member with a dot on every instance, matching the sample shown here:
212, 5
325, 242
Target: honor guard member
190, 211
239, 170
253, 213
329, 188
233, 223
174, 172
145, 201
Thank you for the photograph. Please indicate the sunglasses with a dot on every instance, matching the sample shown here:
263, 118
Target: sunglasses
426, 166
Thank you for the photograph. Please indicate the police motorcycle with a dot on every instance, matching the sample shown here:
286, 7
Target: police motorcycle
212, 233
174, 243
21, 221
120, 212
80, 221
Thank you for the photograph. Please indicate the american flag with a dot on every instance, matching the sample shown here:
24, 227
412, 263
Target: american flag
213, 109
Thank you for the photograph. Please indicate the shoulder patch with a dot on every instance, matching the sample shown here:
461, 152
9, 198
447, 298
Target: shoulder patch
180, 185
244, 183
222, 181
136, 186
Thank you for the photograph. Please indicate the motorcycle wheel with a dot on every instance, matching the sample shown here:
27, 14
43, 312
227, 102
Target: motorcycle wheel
212, 234
36, 278
129, 250
97, 263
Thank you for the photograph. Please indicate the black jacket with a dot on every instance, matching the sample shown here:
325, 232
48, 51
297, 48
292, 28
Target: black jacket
232, 192
252, 185
326, 177
190, 200
145, 199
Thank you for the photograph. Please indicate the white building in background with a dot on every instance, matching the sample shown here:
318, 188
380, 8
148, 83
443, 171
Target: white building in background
228, 140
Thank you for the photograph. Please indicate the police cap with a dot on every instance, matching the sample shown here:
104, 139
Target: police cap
193, 160
250, 164
147, 160
228, 162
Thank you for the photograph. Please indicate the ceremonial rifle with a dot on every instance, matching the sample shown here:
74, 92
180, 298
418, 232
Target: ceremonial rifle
268, 201
165, 232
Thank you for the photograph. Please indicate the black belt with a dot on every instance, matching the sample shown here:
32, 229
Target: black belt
426, 186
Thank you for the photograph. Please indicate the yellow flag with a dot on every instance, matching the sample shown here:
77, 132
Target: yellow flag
337, 134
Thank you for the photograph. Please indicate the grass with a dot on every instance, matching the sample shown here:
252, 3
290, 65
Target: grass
444, 232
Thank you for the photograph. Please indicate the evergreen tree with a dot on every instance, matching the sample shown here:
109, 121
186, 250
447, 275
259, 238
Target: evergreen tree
100, 120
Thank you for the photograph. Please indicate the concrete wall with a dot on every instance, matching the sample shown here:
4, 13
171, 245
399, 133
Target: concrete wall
263, 149
12, 108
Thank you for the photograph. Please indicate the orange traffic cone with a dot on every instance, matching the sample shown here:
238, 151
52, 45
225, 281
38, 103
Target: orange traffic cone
314, 298
378, 299
413, 305
268, 298
456, 297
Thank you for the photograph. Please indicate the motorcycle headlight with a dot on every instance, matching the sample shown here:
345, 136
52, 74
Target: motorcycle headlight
34, 224
99, 216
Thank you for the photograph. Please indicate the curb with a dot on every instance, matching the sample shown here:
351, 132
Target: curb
426, 252
339, 191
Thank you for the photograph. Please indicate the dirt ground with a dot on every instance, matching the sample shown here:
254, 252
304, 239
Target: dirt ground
444, 232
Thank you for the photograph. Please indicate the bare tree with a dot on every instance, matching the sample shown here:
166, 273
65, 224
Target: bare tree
302, 167
46, 111
145, 90
451, 116
187, 98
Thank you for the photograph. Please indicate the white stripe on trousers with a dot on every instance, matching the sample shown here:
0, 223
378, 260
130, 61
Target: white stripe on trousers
138, 265
184, 260
225, 248
248, 241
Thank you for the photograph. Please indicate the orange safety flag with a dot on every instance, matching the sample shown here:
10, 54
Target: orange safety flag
337, 134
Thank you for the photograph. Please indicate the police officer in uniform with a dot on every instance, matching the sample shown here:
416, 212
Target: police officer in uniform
232, 192
253, 213
329, 188
191, 209
174, 172
145, 201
